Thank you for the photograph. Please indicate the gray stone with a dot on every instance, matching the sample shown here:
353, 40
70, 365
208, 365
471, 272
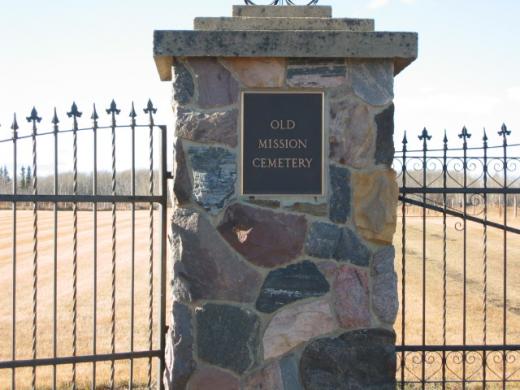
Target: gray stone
290, 373
286, 285
182, 188
264, 237
283, 23
373, 81
216, 85
352, 133
318, 210
322, 240
179, 349
214, 176
339, 208
351, 248
313, 73
219, 126
203, 265
272, 204
385, 149
266, 11
183, 85
358, 360
383, 262
399, 47
384, 285
227, 336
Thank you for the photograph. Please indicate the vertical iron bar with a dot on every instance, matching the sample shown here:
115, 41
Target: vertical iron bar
403, 266
504, 133
464, 136
133, 115
444, 256
485, 254
14, 127
75, 114
94, 118
34, 118
425, 137
150, 110
113, 111
55, 122
162, 276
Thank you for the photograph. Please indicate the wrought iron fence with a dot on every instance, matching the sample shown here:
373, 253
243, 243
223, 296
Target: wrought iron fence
458, 252
88, 299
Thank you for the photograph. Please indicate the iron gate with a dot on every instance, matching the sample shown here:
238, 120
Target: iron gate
85, 306
458, 256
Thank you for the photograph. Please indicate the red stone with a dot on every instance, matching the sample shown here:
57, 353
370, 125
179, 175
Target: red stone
212, 378
351, 297
272, 239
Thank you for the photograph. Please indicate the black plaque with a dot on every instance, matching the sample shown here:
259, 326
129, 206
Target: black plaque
282, 143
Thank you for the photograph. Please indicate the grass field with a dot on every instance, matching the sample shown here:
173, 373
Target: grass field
414, 286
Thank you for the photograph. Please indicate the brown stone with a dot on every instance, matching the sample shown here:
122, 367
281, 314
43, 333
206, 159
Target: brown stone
216, 85
218, 126
264, 237
375, 203
297, 324
351, 297
352, 133
208, 377
258, 72
204, 266
267, 378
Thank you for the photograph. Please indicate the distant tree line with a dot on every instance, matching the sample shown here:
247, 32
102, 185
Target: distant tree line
84, 184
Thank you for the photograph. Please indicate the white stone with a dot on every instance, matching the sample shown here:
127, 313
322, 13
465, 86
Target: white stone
297, 324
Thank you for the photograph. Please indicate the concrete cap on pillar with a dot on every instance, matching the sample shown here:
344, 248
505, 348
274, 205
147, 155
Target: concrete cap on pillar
283, 32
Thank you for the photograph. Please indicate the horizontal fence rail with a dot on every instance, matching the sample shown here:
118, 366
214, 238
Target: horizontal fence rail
460, 305
87, 258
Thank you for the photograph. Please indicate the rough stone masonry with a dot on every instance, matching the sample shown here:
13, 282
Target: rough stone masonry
283, 292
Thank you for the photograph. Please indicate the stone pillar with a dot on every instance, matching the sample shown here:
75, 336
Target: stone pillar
283, 292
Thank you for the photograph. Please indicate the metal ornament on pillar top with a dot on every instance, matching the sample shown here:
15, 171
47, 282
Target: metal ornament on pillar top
282, 2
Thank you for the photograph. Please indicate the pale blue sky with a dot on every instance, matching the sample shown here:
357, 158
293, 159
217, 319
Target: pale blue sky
56, 51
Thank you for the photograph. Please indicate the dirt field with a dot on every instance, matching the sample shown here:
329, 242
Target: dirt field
85, 294
454, 297
414, 285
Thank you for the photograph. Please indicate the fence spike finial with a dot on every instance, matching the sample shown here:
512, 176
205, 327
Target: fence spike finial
405, 139
55, 119
74, 112
425, 136
504, 131
34, 116
14, 126
465, 134
445, 140
150, 108
113, 108
94, 115
133, 114
485, 137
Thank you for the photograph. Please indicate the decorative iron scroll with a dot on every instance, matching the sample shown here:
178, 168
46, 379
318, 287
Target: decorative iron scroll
446, 366
282, 2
